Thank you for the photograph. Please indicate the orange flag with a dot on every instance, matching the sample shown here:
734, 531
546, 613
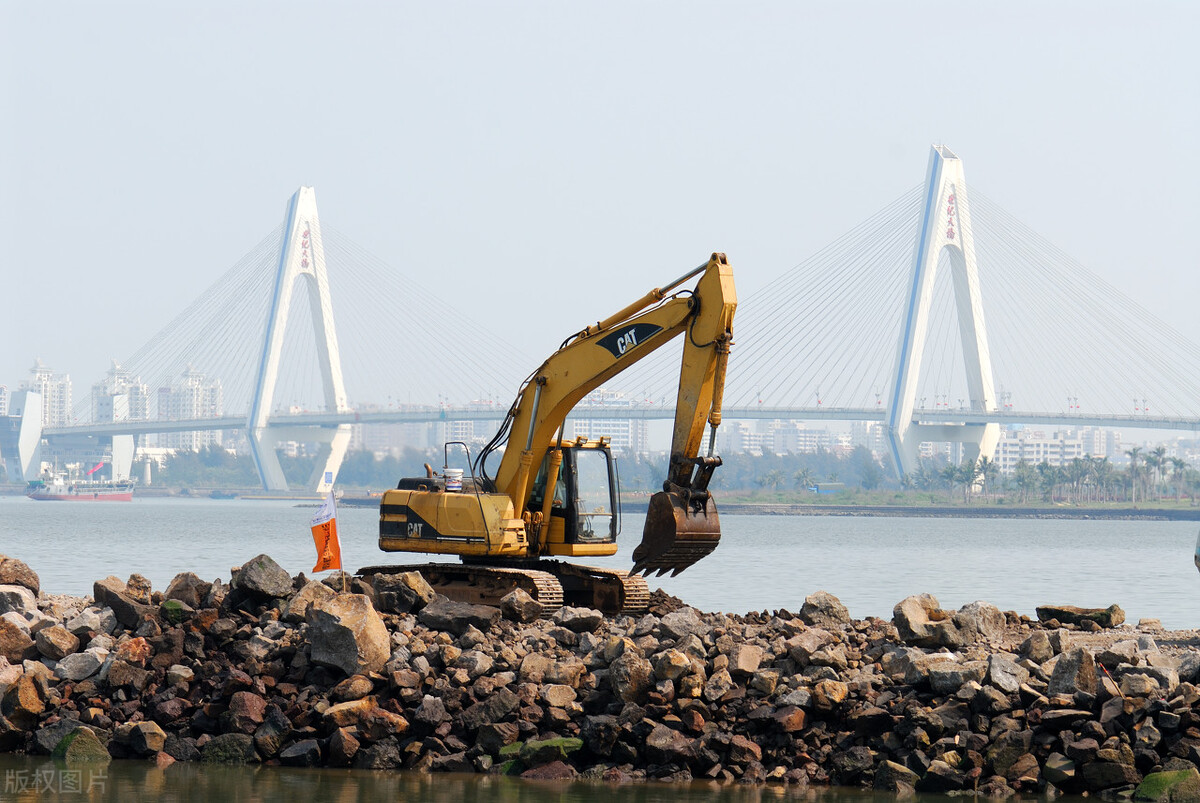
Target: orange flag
324, 530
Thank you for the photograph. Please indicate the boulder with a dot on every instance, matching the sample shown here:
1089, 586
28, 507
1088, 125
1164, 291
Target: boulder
1112, 616
110, 593
519, 606
631, 677
346, 632
455, 617
1074, 671
262, 578
188, 589
920, 621
681, 623
15, 643
305, 753
16, 598
311, 593
81, 665
823, 609
1170, 787
980, 621
15, 572
81, 745
578, 620
403, 592
229, 748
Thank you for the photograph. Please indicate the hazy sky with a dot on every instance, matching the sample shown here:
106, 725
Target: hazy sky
544, 163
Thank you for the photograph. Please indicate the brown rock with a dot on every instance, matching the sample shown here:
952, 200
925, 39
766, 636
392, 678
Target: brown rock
188, 589
56, 642
1112, 616
15, 572
15, 643
342, 747
23, 703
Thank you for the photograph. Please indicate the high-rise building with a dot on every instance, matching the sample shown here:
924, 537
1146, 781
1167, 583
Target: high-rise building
120, 396
625, 435
3, 399
193, 396
55, 391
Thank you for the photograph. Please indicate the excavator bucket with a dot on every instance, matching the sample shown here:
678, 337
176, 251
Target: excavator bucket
681, 528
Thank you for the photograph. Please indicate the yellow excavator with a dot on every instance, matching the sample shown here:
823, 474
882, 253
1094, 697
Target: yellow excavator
556, 498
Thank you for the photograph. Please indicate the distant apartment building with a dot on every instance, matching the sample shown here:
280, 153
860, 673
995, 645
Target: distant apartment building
626, 435
3, 400
193, 396
55, 391
120, 396
796, 437
1035, 446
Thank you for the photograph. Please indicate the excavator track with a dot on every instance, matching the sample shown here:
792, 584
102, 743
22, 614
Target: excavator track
553, 584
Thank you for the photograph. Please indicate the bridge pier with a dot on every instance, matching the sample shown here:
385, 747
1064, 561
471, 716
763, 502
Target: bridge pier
301, 256
945, 226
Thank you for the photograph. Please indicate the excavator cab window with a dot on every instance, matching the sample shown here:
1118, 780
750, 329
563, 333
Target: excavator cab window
593, 496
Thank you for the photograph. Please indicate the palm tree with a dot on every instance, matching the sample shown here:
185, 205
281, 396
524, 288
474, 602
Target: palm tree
1133, 453
989, 470
1025, 477
1178, 469
803, 478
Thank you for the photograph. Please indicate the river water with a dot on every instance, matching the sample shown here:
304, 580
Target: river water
763, 563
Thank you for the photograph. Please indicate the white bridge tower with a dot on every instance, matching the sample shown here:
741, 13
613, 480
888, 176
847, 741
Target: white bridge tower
945, 226
301, 256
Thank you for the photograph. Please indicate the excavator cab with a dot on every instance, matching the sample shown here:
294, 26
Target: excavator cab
585, 507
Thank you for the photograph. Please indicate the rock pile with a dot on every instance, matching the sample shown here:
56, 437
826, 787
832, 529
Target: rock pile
270, 668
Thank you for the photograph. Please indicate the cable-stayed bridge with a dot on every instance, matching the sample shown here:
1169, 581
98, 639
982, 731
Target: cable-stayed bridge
941, 318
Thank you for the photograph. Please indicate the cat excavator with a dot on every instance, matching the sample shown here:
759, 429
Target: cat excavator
554, 498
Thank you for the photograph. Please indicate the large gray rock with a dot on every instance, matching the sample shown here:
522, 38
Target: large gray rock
631, 677
519, 606
312, 593
188, 589
823, 609
15, 572
15, 598
980, 621
578, 620
346, 632
921, 621
456, 617
111, 593
1112, 616
1005, 674
681, 623
81, 665
263, 578
1074, 671
403, 592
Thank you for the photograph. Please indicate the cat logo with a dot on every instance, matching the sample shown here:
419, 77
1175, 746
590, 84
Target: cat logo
622, 342
414, 530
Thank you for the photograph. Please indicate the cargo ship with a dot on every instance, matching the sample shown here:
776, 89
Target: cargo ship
60, 487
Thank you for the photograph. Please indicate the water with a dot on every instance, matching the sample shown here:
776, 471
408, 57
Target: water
763, 562
123, 781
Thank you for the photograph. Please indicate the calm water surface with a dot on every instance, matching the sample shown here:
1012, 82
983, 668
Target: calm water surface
763, 562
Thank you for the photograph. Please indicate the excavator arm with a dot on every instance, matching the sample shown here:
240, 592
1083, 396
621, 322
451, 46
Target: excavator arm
681, 524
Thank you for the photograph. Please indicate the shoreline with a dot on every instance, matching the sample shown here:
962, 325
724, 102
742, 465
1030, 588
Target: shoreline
937, 511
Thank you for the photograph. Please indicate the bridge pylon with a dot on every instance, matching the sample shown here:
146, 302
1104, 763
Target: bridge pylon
945, 226
301, 256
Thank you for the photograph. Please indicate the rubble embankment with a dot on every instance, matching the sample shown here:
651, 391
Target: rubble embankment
275, 669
